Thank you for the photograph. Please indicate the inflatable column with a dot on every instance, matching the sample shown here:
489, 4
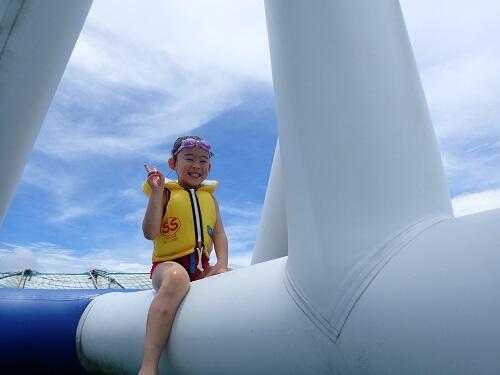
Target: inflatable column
362, 171
272, 241
36, 41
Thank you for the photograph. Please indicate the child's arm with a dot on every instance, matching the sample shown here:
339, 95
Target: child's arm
156, 205
221, 247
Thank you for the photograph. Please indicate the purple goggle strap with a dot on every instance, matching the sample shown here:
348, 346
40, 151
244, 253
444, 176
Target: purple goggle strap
191, 142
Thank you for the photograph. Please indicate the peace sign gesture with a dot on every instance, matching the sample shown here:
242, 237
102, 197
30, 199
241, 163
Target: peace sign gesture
156, 179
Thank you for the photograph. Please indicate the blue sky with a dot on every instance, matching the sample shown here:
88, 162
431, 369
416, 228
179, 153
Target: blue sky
142, 74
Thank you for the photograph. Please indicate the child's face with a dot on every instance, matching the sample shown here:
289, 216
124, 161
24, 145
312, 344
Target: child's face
192, 166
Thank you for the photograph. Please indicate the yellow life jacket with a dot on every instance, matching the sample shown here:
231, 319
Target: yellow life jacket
188, 223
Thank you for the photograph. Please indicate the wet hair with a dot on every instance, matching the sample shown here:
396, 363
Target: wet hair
178, 142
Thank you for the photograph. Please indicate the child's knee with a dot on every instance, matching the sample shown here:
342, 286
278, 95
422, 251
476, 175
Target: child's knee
175, 280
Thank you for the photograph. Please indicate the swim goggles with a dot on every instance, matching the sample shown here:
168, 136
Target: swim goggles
191, 142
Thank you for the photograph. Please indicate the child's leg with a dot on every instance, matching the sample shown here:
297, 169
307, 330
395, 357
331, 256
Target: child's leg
171, 281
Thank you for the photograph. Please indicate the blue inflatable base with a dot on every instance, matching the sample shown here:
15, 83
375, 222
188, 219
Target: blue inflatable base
38, 329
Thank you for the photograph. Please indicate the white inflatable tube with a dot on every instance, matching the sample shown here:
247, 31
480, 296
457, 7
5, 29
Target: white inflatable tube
434, 309
431, 310
36, 41
241, 322
361, 166
272, 241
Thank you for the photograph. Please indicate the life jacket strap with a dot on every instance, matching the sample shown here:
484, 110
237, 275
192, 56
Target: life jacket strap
199, 249
198, 226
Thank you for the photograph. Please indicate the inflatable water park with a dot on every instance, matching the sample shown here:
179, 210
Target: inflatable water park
403, 286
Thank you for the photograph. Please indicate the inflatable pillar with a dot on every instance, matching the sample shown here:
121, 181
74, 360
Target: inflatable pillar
272, 240
36, 41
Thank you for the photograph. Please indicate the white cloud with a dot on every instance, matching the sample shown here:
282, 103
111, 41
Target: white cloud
463, 96
443, 29
68, 200
250, 211
51, 258
135, 195
466, 204
241, 237
18, 259
131, 255
235, 260
219, 35
134, 131
458, 55
241, 259
48, 257
185, 62
136, 216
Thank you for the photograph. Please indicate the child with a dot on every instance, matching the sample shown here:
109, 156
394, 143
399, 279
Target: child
183, 220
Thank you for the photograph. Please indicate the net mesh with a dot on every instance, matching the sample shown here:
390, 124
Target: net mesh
94, 279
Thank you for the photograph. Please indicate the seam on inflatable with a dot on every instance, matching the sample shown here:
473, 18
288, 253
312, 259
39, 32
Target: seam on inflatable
10, 17
79, 333
371, 266
309, 310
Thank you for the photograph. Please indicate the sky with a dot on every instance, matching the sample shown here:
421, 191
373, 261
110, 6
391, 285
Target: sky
144, 72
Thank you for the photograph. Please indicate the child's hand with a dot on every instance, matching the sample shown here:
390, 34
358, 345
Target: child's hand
216, 269
156, 179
